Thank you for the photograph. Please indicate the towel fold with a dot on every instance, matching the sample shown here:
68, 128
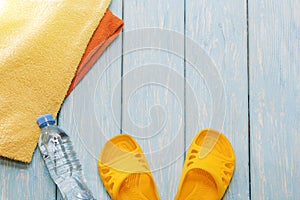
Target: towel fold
41, 44
107, 30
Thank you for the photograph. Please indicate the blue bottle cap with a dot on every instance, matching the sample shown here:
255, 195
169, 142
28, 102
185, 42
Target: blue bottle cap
44, 120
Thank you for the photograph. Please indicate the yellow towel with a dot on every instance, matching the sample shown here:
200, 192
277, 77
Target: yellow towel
41, 44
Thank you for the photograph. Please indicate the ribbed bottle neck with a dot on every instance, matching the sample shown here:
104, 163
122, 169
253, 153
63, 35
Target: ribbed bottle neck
46, 124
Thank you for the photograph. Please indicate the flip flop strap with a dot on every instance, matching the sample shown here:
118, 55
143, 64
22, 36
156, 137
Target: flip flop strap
120, 167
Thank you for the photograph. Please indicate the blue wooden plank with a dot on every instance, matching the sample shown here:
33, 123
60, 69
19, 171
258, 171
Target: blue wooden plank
153, 98
87, 114
220, 28
274, 97
25, 181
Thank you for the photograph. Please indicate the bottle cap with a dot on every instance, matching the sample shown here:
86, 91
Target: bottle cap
44, 120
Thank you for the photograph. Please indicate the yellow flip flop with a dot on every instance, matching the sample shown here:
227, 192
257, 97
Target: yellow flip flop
207, 178
124, 170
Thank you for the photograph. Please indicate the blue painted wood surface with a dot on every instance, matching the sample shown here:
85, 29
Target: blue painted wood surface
87, 113
25, 181
153, 100
274, 99
117, 96
220, 28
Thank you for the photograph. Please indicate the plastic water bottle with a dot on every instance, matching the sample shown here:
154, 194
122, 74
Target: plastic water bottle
61, 160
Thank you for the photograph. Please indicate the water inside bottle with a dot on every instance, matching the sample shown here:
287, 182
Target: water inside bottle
63, 164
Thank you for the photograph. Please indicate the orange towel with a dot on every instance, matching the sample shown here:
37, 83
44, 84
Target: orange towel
108, 29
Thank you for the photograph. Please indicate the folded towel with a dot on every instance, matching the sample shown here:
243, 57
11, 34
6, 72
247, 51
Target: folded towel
41, 44
107, 30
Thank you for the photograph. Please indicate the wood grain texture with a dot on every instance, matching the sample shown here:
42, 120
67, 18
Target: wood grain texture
93, 113
274, 97
152, 112
25, 181
87, 114
220, 28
